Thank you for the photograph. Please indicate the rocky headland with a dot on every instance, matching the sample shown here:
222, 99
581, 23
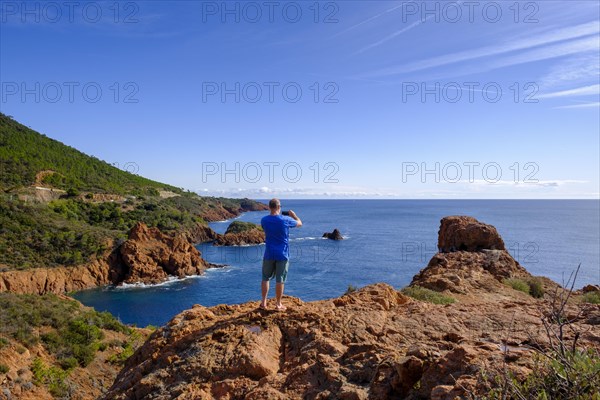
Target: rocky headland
374, 343
147, 256
241, 234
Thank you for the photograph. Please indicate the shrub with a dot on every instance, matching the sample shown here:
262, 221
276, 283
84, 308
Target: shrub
428, 295
4, 368
351, 289
121, 357
531, 286
517, 284
52, 377
561, 369
535, 288
68, 363
591, 297
3, 342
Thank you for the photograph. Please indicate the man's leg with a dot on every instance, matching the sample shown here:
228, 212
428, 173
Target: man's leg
279, 295
265, 291
281, 276
268, 271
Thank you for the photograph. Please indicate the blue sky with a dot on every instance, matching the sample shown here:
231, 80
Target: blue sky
362, 99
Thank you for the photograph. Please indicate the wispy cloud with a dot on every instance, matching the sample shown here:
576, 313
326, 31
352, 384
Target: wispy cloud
575, 70
509, 46
583, 105
366, 21
393, 35
582, 91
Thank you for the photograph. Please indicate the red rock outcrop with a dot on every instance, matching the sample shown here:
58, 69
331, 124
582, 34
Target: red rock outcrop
249, 237
151, 256
374, 343
59, 279
462, 233
472, 259
148, 256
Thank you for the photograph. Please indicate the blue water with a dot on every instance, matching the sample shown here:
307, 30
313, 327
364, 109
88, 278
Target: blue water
386, 241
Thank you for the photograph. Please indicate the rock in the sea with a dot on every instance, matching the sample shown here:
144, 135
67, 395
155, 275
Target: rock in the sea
335, 235
462, 233
240, 234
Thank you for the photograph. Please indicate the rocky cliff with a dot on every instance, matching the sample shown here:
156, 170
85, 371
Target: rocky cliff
147, 256
375, 343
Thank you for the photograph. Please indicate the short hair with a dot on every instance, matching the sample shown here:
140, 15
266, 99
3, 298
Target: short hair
274, 203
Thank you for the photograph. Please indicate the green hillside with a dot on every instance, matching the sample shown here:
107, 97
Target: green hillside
24, 153
85, 204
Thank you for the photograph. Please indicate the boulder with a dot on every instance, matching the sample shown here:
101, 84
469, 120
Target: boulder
462, 233
335, 235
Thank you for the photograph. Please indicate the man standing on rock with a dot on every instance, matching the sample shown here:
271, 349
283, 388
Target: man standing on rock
277, 251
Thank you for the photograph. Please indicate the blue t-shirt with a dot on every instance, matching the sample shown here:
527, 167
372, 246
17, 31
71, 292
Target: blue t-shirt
277, 232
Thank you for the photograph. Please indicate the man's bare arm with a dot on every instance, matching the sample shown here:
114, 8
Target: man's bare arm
295, 217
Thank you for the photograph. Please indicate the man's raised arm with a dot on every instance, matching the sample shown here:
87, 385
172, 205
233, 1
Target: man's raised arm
295, 217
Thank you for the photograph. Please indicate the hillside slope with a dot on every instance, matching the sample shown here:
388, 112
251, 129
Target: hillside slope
62, 208
53, 347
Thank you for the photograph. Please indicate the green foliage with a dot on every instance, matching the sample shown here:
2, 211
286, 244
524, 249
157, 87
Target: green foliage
240, 226
532, 286
3, 342
535, 288
134, 341
53, 377
351, 289
24, 153
4, 368
76, 332
121, 357
428, 295
591, 297
33, 235
517, 284
574, 377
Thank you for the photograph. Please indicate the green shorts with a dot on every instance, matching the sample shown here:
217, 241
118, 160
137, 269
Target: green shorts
275, 268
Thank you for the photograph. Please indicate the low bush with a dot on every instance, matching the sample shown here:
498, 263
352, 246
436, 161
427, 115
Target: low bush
591, 297
428, 295
517, 284
351, 289
532, 286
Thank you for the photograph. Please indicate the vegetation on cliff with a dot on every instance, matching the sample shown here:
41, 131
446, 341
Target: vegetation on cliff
44, 339
240, 226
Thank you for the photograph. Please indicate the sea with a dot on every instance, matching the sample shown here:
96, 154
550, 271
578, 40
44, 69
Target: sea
384, 241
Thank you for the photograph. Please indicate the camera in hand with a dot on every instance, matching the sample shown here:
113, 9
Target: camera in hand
285, 213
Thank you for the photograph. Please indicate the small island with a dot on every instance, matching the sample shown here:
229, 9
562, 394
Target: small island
241, 233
